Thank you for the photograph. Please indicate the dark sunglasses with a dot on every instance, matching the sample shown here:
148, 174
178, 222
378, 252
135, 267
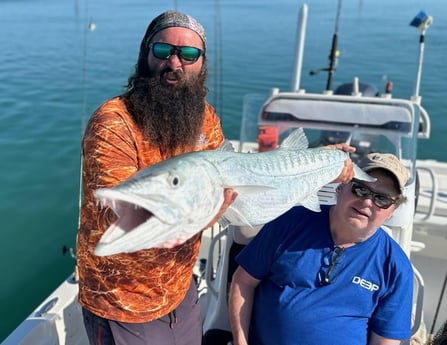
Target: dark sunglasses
186, 54
380, 200
327, 273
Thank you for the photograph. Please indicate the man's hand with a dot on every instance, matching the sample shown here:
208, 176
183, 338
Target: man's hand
229, 196
347, 173
341, 146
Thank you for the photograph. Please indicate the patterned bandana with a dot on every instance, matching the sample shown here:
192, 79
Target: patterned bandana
175, 19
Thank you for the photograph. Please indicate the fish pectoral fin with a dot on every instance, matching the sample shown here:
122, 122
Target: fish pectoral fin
224, 222
312, 203
232, 215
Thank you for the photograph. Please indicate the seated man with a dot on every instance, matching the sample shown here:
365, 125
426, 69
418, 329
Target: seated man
334, 277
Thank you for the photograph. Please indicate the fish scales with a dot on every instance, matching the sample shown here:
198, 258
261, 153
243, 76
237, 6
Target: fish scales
295, 176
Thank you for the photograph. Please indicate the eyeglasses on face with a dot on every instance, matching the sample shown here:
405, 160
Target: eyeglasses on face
186, 54
380, 200
327, 273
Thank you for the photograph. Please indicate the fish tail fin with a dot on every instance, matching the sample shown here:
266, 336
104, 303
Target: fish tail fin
359, 174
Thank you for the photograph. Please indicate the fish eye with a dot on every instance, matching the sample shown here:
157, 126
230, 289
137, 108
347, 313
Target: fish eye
174, 181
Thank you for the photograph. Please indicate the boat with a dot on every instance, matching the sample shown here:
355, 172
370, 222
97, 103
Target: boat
356, 113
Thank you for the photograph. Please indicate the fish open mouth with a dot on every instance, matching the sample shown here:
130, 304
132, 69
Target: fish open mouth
130, 216
141, 219
130, 213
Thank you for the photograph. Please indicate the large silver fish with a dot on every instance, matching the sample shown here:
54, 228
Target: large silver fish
167, 203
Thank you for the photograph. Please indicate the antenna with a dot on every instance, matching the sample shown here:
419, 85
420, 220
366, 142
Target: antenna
422, 21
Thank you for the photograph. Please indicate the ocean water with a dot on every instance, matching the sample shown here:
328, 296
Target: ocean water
54, 72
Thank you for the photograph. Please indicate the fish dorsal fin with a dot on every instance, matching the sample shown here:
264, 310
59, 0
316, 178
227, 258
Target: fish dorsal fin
296, 140
226, 146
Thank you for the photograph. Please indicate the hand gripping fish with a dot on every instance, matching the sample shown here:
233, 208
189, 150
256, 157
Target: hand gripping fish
167, 203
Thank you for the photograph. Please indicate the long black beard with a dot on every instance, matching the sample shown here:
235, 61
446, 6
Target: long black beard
171, 117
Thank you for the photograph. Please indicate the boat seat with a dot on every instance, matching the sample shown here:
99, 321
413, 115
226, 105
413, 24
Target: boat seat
217, 326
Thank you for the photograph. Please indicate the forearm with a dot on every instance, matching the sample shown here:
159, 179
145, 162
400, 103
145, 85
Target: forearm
241, 306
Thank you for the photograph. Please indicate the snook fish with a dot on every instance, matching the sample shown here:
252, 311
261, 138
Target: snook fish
167, 203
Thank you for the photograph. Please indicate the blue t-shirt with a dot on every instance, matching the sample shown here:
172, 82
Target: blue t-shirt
371, 285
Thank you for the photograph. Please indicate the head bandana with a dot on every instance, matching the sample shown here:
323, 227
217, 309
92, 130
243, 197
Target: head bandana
170, 19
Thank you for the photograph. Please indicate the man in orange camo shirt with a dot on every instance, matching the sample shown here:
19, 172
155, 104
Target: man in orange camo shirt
147, 296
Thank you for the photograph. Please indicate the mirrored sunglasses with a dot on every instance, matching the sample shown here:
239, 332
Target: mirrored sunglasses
186, 54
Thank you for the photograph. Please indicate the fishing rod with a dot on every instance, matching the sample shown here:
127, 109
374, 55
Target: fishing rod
334, 53
333, 57
87, 27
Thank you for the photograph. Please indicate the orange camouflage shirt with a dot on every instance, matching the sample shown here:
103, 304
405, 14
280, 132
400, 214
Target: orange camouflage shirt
140, 286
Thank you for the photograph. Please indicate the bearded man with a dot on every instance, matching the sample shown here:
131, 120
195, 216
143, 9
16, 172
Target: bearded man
146, 297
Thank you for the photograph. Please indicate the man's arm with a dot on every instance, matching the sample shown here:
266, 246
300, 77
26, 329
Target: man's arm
375, 339
241, 304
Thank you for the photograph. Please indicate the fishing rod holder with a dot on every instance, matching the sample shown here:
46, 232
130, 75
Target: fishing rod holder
422, 21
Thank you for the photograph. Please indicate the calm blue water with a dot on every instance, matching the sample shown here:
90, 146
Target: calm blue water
54, 73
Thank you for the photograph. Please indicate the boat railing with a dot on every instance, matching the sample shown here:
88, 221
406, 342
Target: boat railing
431, 207
433, 197
424, 124
418, 302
